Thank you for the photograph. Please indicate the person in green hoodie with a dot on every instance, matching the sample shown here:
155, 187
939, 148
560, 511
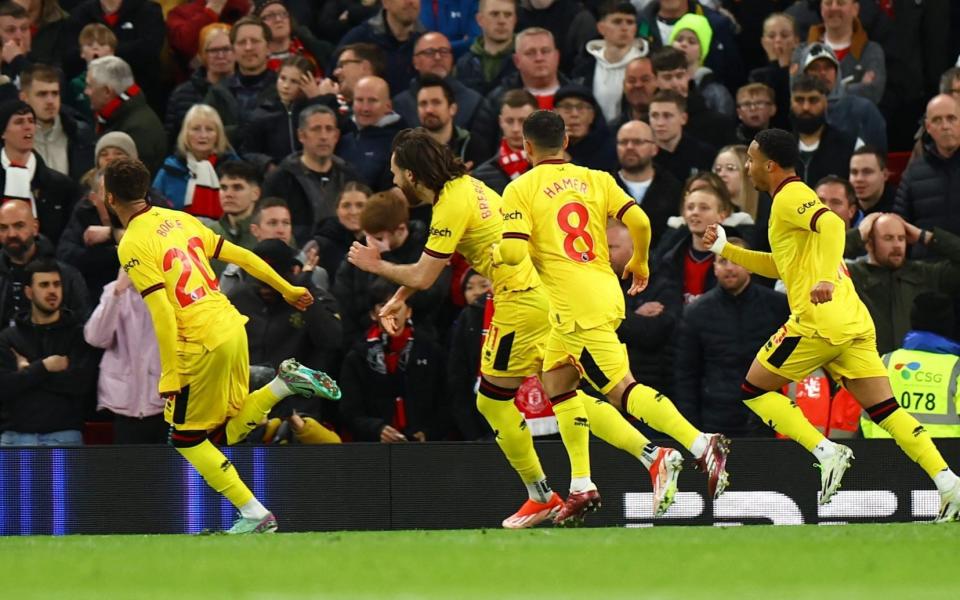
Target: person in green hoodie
490, 57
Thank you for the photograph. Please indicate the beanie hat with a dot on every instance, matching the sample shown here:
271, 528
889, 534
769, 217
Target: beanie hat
700, 27
13, 107
119, 140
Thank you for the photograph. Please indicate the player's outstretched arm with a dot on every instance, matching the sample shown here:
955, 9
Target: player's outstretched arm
297, 296
638, 224
761, 263
418, 276
165, 325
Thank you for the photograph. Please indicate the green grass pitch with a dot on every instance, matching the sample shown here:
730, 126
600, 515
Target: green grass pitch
906, 561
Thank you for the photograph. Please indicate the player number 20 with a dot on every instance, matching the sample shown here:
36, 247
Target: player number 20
574, 211
919, 400
188, 260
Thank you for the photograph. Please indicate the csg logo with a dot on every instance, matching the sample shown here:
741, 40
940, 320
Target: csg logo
906, 369
911, 371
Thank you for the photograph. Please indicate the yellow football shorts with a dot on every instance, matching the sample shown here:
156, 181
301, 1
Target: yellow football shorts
215, 383
519, 328
597, 353
794, 356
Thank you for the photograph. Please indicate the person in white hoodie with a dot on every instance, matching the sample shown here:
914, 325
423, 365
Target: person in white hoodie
603, 66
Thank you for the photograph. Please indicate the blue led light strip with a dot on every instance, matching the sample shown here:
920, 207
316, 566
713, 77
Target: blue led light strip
59, 482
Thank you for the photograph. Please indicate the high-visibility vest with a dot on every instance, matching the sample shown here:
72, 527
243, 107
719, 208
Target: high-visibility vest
925, 385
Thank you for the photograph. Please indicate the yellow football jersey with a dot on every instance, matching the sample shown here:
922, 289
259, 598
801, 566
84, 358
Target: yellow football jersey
562, 210
467, 218
796, 248
169, 251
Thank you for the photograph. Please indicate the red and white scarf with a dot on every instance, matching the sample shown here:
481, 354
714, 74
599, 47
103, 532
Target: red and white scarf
203, 188
513, 163
18, 180
104, 114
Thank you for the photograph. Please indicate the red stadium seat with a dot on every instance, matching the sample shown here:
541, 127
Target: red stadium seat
896, 165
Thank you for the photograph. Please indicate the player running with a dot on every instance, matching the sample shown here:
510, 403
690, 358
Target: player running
467, 218
829, 325
203, 343
556, 214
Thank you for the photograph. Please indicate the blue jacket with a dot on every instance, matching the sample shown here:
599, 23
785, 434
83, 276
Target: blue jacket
171, 179
926, 341
454, 19
367, 150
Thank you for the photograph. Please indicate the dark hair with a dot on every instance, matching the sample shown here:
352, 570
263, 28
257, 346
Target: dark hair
265, 203
808, 83
668, 58
519, 97
384, 211
46, 264
39, 72
12, 9
381, 290
848, 190
241, 169
430, 80
127, 179
544, 129
873, 150
433, 164
670, 96
616, 7
250, 20
779, 146
370, 53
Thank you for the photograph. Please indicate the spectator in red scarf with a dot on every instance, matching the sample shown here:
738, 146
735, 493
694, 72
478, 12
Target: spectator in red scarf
289, 39
393, 386
120, 105
188, 178
510, 161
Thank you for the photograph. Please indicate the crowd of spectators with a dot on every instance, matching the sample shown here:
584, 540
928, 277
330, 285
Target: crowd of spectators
272, 120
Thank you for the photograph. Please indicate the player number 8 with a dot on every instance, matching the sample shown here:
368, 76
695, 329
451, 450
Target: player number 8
575, 232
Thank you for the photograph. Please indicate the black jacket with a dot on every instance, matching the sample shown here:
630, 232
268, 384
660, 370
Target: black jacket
80, 142
135, 118
98, 264
333, 243
370, 397
718, 338
190, 92
399, 55
661, 201
141, 33
469, 71
352, 289
35, 400
490, 173
54, 195
272, 130
597, 149
690, 156
311, 199
649, 340
368, 151
929, 192
463, 370
708, 126
832, 157
76, 297
571, 24
468, 101
237, 97
277, 331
